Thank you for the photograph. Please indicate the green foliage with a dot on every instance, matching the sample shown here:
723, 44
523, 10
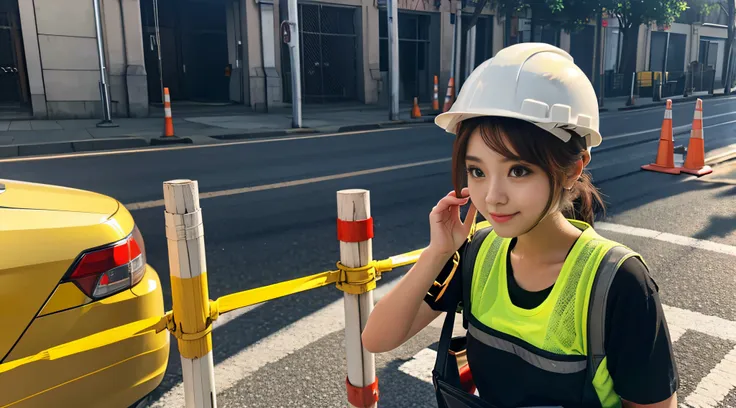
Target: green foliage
631, 13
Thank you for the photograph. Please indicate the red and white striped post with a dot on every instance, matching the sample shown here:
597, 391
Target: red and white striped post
355, 232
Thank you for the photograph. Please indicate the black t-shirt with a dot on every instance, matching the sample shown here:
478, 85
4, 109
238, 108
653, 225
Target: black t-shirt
637, 341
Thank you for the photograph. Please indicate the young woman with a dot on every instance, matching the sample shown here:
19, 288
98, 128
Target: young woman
525, 122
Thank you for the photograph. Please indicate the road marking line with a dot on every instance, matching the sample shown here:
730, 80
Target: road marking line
421, 365
675, 332
234, 191
711, 325
674, 130
272, 139
667, 237
278, 345
715, 386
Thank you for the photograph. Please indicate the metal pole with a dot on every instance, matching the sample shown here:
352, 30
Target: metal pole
452, 53
470, 52
296, 66
663, 80
602, 63
597, 56
392, 13
158, 48
104, 91
507, 29
458, 46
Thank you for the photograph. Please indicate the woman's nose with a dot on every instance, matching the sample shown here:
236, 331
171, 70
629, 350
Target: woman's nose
496, 193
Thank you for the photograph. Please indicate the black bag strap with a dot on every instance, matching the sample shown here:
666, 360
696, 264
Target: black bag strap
597, 315
467, 262
467, 265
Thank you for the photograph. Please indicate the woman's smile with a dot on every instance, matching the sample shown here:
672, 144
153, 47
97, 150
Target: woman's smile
501, 218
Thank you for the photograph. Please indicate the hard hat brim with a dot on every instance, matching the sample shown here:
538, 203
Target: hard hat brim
449, 121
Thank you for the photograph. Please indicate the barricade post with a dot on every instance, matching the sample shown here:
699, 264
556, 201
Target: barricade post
355, 233
190, 297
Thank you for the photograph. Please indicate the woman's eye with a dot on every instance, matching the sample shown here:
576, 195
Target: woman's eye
475, 172
519, 171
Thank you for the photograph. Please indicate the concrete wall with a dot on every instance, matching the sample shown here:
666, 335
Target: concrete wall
33, 58
256, 73
369, 55
71, 78
63, 66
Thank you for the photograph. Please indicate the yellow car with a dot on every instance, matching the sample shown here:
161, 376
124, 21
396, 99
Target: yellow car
73, 264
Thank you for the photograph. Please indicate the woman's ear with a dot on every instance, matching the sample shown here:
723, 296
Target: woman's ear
585, 158
577, 170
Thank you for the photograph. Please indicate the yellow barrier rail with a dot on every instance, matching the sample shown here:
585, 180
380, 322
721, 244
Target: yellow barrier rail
224, 304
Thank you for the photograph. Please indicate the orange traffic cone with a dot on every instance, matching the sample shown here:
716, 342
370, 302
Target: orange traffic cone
448, 96
666, 152
435, 100
415, 112
168, 136
695, 160
168, 121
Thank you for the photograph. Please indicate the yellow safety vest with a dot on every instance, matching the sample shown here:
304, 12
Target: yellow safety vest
570, 322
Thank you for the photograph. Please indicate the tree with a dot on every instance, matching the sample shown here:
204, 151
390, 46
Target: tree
633, 13
730, 9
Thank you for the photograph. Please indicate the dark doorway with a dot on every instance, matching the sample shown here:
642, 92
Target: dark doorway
415, 78
581, 49
193, 49
329, 55
14, 94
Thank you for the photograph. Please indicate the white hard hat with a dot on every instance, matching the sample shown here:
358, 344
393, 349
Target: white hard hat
535, 82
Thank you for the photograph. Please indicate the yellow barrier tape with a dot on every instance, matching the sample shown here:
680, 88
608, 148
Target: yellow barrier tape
251, 297
352, 280
97, 340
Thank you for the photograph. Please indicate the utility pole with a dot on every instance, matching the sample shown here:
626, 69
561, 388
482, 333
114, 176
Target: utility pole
296, 66
104, 91
453, 21
597, 56
470, 52
457, 61
392, 13
158, 49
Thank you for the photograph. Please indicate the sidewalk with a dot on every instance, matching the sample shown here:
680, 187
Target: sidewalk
197, 124
620, 103
215, 123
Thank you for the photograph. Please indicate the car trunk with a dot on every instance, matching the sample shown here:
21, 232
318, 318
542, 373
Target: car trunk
43, 229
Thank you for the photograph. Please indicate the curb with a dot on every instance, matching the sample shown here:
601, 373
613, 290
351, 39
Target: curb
674, 101
37, 149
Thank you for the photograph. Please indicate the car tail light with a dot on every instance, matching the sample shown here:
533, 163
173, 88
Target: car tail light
102, 272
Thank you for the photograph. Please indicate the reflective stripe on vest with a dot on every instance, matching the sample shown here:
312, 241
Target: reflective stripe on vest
546, 364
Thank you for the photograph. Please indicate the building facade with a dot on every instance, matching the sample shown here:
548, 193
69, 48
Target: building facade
214, 52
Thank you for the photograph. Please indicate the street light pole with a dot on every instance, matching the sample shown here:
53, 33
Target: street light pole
296, 66
104, 91
392, 13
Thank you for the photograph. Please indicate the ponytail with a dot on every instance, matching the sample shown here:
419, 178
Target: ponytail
586, 201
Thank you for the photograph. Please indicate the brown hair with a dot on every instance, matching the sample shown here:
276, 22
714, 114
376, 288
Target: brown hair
536, 146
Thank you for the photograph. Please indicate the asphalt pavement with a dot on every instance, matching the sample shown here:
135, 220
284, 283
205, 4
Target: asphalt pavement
269, 209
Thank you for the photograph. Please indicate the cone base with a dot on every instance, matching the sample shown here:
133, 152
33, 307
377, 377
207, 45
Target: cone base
166, 140
660, 169
698, 172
